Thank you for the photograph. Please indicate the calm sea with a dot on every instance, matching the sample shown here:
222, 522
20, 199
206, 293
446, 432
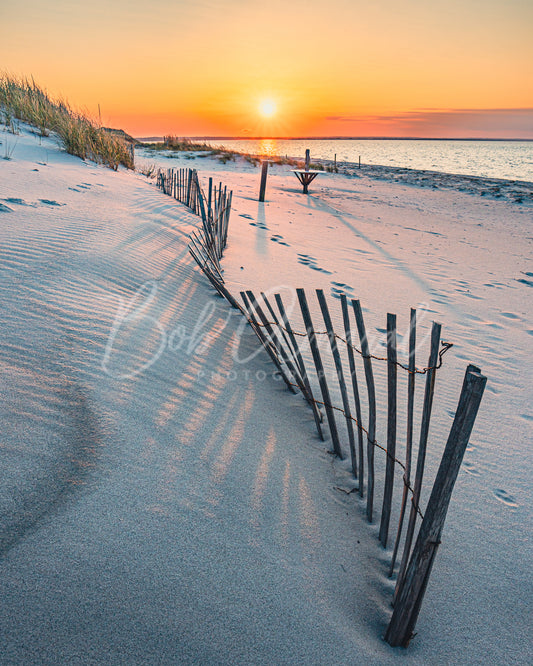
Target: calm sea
512, 160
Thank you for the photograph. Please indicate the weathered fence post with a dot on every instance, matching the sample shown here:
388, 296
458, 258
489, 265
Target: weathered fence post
421, 459
355, 387
340, 377
409, 601
189, 183
262, 188
371, 434
319, 371
409, 434
391, 429
265, 340
277, 343
316, 413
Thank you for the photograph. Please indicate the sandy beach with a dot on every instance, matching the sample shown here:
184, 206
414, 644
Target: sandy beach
163, 499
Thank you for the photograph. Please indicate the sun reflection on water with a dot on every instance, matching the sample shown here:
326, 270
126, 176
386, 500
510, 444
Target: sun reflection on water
268, 147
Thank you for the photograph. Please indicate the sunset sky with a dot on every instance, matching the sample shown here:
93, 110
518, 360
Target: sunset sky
461, 68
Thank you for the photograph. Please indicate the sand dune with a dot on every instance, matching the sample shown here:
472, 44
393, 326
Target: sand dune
163, 502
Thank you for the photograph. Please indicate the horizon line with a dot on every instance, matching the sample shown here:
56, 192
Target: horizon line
333, 138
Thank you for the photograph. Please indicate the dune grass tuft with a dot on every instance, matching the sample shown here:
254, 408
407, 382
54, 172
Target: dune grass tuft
24, 100
177, 144
173, 144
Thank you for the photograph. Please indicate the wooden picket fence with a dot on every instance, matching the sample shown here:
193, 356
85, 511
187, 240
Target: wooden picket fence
296, 352
209, 243
280, 336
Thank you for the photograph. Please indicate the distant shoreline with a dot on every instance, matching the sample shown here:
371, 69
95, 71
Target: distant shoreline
328, 138
507, 160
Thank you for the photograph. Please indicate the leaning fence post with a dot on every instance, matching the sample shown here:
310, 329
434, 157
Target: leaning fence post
265, 340
421, 458
226, 219
316, 413
391, 429
340, 376
281, 330
189, 183
277, 343
371, 434
319, 371
355, 387
409, 601
408, 436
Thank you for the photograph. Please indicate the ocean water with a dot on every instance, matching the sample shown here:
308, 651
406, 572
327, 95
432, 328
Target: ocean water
510, 160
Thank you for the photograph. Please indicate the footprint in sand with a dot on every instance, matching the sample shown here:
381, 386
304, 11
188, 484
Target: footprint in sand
51, 202
15, 200
248, 217
305, 259
320, 270
493, 325
276, 238
310, 262
505, 498
339, 288
528, 283
469, 468
259, 225
5, 209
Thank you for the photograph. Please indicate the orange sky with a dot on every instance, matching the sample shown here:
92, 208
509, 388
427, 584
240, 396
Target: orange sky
460, 68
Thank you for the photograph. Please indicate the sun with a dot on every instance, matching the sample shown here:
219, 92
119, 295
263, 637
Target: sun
267, 108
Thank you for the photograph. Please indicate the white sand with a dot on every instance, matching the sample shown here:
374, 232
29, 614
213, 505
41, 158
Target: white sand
161, 502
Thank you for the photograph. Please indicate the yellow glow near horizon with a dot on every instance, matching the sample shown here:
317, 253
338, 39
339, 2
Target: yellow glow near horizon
267, 108
342, 68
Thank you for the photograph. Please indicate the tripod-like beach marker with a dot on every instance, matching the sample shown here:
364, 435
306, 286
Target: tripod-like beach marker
307, 175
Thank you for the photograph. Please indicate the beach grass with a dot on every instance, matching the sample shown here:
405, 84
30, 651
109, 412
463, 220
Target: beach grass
173, 144
22, 99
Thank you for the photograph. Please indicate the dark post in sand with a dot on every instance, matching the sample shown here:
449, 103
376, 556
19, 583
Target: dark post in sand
262, 188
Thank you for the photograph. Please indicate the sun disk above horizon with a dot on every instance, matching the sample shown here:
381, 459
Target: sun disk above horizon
267, 108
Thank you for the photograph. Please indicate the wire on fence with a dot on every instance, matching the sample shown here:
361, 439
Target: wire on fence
445, 347
374, 442
206, 248
419, 371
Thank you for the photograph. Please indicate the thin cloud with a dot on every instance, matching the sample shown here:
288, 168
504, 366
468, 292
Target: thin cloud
504, 122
